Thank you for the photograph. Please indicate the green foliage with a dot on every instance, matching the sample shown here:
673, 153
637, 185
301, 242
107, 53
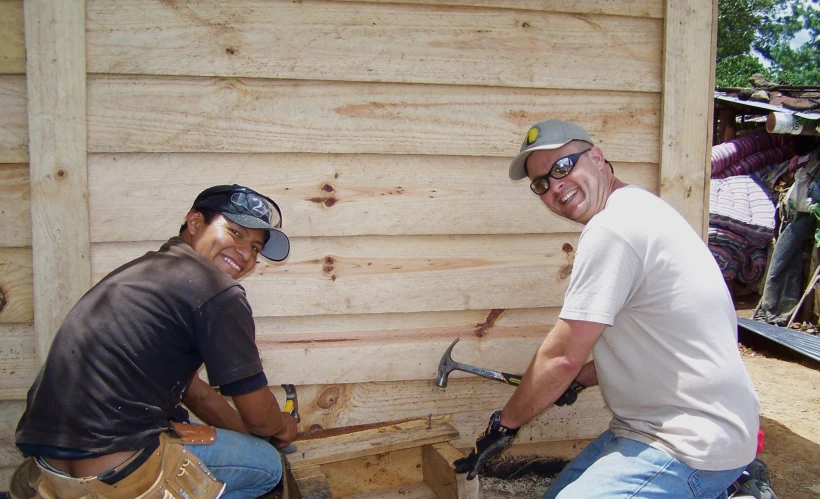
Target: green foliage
774, 23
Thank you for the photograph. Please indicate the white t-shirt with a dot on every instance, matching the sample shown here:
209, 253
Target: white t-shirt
668, 364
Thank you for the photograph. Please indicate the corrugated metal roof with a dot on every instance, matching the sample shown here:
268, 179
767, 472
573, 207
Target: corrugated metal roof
766, 106
803, 343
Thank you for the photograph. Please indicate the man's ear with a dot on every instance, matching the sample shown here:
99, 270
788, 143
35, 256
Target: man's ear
597, 157
193, 221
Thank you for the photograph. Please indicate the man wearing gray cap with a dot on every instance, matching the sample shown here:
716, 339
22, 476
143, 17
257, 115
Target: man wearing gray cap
101, 418
647, 299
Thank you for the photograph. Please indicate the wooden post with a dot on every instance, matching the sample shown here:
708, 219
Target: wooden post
688, 94
56, 81
440, 475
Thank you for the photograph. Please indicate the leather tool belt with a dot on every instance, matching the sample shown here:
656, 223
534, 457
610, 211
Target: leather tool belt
170, 472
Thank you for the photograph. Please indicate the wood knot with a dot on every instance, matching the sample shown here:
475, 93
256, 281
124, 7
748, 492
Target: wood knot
327, 188
329, 260
525, 25
315, 427
230, 50
2, 299
567, 248
61, 173
330, 202
329, 397
566, 271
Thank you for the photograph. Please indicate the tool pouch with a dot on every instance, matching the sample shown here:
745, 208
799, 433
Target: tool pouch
194, 433
172, 472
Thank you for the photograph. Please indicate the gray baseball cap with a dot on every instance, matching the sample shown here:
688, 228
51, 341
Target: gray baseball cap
550, 134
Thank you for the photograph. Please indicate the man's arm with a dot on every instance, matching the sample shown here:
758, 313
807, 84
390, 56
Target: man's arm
256, 412
588, 375
559, 360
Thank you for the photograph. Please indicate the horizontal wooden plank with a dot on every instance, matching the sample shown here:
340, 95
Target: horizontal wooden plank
405, 491
370, 442
18, 361
468, 401
12, 41
328, 195
176, 114
10, 413
15, 206
319, 40
373, 472
13, 119
633, 8
387, 274
16, 285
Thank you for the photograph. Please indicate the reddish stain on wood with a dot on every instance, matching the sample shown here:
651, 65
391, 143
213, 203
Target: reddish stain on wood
483, 327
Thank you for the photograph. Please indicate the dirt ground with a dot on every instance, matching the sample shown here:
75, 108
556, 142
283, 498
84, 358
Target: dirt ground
788, 388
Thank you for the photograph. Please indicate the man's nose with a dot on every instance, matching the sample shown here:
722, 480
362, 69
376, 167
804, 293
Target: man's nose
244, 250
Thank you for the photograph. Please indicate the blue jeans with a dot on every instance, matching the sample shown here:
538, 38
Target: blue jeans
248, 465
616, 467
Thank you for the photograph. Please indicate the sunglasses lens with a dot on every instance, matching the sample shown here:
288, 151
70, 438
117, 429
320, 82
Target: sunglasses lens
540, 186
562, 168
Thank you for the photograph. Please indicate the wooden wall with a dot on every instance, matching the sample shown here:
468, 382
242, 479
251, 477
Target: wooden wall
383, 129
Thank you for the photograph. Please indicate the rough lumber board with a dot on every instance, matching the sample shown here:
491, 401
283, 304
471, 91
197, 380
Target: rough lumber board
440, 475
15, 207
10, 413
13, 119
687, 106
370, 442
56, 84
468, 401
380, 471
18, 361
407, 491
317, 40
177, 114
313, 487
388, 274
636, 8
12, 41
328, 195
16, 288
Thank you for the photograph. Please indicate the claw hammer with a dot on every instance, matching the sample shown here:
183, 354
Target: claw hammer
447, 365
292, 408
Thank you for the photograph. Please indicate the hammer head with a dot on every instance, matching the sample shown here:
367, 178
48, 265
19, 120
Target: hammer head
445, 366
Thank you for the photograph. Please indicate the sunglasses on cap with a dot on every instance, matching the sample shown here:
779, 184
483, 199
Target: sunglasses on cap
243, 199
559, 170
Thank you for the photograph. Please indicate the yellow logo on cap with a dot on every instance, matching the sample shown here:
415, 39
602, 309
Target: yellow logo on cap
533, 134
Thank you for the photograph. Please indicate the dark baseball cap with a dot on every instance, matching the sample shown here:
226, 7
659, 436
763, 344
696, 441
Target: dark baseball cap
550, 134
248, 208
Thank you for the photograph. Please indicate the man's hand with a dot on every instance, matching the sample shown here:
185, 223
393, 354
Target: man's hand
488, 445
287, 434
571, 395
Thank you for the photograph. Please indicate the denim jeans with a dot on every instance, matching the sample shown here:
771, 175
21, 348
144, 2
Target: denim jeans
616, 467
248, 465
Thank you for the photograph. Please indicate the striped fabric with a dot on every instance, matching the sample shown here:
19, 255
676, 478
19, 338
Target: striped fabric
753, 162
728, 153
741, 225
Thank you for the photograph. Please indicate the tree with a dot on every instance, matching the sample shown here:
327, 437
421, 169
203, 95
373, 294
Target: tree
774, 23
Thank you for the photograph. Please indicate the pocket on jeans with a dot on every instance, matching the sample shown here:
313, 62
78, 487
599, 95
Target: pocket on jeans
711, 484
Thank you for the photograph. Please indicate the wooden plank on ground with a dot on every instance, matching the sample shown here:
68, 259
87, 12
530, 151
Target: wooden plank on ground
13, 119
440, 475
18, 361
55, 45
311, 483
12, 41
328, 195
10, 413
174, 114
687, 108
380, 471
408, 491
637, 8
15, 206
16, 288
318, 40
388, 274
370, 442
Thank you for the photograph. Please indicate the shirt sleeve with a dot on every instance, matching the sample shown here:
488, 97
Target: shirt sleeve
225, 336
605, 274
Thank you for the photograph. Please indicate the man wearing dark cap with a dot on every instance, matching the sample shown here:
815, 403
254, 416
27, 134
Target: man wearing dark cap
98, 420
647, 300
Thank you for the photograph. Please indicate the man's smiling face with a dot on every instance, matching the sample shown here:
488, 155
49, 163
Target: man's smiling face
583, 192
229, 246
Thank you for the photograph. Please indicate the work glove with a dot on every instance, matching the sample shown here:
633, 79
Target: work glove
571, 395
488, 445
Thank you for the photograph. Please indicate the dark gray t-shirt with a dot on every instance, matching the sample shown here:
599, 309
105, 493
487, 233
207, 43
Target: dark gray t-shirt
124, 355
